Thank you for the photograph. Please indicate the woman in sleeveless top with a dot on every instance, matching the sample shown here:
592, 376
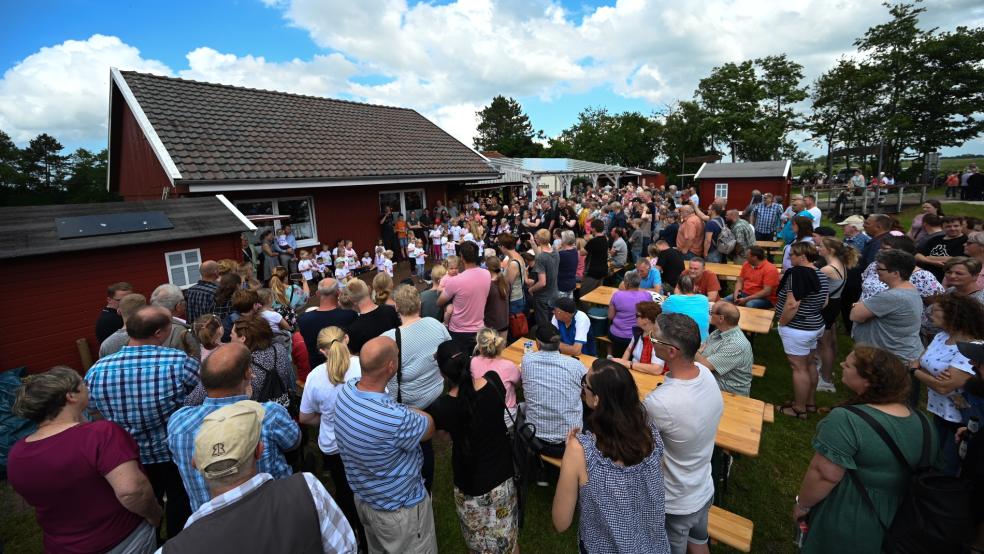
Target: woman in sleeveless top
615, 473
839, 258
514, 272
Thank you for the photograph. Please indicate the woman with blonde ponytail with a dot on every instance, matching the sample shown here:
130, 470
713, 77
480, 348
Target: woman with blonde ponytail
488, 357
318, 408
382, 289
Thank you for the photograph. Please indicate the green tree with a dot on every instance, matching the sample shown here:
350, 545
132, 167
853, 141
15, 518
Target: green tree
685, 135
843, 109
730, 96
629, 139
9, 158
42, 163
87, 182
781, 89
506, 129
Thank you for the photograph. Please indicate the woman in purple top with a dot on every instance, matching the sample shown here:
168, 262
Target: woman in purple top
621, 312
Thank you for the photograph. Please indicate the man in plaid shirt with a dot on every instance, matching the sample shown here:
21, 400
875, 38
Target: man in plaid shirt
201, 296
139, 388
765, 218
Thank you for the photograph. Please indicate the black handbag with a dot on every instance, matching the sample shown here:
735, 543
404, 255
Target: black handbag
275, 390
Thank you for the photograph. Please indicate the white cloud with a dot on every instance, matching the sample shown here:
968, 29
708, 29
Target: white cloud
63, 89
321, 76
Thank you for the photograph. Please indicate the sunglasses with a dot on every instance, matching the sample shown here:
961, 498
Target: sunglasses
584, 383
663, 342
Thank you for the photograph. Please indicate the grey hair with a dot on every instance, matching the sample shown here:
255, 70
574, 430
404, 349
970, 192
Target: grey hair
681, 331
632, 280
327, 289
567, 237
167, 296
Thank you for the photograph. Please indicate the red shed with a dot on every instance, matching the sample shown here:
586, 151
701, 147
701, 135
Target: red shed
646, 178
736, 181
331, 165
58, 261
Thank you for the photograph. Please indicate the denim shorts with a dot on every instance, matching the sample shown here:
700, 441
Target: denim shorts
684, 528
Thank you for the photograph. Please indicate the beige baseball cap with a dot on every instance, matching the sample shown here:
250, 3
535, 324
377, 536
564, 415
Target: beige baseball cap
853, 220
229, 433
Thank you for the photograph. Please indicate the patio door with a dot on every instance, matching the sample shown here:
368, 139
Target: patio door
403, 201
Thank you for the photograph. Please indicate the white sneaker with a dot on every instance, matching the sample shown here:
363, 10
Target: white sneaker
825, 386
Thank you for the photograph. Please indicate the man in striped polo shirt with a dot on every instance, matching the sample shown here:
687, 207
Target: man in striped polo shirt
379, 441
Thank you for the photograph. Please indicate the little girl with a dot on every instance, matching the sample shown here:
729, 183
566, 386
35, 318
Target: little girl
447, 245
366, 262
435, 236
341, 272
451, 262
456, 231
208, 330
351, 257
267, 312
307, 266
388, 262
420, 256
380, 258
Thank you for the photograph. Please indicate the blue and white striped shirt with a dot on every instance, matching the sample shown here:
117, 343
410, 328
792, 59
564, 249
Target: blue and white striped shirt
278, 433
379, 441
552, 389
139, 388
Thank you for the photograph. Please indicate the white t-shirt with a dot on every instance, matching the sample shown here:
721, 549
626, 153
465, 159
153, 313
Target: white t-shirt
939, 356
456, 233
816, 213
367, 262
319, 397
273, 318
419, 255
388, 267
687, 413
581, 325
306, 268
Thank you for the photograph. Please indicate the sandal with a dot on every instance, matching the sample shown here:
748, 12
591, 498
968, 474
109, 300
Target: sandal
784, 410
811, 408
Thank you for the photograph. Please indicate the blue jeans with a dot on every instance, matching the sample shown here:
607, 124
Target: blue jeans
714, 257
517, 306
760, 303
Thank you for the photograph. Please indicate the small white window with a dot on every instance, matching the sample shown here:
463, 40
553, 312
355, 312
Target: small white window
720, 190
182, 267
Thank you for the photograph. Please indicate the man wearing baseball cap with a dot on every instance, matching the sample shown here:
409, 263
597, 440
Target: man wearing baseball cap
250, 511
854, 235
574, 328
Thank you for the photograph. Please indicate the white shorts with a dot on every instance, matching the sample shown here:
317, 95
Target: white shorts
797, 342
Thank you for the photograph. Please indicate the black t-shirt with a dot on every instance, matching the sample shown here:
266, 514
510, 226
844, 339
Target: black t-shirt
108, 323
669, 234
480, 453
670, 262
311, 323
369, 326
597, 264
940, 246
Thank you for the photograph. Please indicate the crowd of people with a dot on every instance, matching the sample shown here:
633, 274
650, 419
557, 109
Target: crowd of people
202, 401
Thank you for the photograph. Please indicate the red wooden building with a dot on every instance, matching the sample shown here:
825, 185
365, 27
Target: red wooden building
58, 260
736, 181
645, 177
331, 165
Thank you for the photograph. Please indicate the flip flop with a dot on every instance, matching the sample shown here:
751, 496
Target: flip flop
796, 413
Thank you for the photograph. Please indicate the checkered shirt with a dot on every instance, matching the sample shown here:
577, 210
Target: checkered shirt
139, 388
278, 434
552, 389
336, 534
201, 299
767, 217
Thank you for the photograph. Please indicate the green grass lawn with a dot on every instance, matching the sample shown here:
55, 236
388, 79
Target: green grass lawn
946, 164
761, 488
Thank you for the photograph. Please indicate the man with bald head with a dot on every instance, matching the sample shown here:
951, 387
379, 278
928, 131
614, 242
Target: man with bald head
139, 388
379, 441
201, 295
327, 314
225, 378
727, 352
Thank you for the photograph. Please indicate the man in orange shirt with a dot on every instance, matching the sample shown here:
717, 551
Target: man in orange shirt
757, 283
705, 281
690, 237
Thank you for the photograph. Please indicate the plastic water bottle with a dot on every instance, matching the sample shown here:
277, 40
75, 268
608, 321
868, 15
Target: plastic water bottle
528, 347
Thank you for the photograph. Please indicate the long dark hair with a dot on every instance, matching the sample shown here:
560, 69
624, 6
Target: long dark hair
618, 422
455, 366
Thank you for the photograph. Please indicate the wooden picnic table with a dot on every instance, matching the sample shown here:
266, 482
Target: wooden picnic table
753, 320
770, 245
740, 429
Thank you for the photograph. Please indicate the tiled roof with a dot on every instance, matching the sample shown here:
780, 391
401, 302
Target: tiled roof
219, 133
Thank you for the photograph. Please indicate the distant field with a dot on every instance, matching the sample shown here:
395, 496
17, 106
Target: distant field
946, 164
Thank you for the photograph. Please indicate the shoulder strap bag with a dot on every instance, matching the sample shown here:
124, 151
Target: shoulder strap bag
399, 367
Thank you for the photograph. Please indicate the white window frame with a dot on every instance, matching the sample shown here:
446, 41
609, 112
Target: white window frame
277, 224
403, 200
184, 266
718, 188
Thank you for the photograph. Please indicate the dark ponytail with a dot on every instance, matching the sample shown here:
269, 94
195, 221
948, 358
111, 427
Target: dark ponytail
455, 366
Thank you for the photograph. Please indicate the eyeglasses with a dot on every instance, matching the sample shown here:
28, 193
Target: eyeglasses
584, 383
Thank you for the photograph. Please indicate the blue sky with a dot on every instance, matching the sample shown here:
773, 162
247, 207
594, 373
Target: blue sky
446, 59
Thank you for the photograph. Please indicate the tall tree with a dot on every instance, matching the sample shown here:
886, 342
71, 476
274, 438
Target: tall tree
685, 135
730, 96
843, 109
506, 129
9, 157
629, 139
43, 164
781, 89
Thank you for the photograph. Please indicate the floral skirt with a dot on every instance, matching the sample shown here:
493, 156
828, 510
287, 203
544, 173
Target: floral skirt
490, 522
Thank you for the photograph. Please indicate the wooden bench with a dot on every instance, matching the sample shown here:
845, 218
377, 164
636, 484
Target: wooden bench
723, 526
769, 415
758, 370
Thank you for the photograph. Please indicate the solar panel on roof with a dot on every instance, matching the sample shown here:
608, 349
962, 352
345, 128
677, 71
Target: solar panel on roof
111, 224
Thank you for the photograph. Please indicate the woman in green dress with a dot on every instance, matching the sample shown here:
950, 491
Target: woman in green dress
839, 519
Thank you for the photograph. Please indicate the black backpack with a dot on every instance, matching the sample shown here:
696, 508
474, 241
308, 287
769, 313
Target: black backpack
935, 515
